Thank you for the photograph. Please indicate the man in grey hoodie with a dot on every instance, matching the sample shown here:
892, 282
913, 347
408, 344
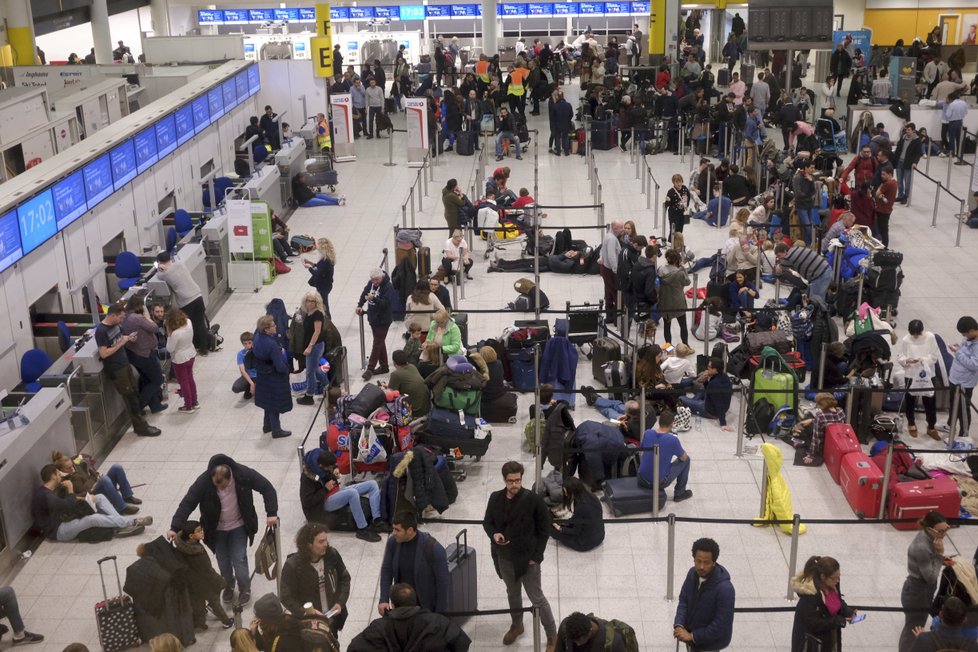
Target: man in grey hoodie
186, 296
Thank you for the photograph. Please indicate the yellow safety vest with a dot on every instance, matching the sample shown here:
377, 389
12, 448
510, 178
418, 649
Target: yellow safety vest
516, 79
482, 70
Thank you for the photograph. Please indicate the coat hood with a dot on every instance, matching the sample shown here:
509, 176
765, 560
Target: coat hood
667, 271
773, 458
405, 613
480, 364
187, 547
218, 460
402, 467
310, 464
644, 263
803, 585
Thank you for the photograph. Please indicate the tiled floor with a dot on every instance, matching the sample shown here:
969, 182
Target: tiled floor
626, 577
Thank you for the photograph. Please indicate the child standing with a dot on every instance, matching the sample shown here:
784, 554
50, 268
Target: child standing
413, 345
245, 382
180, 344
204, 582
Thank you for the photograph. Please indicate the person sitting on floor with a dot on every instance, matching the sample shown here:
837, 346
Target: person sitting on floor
320, 492
406, 380
670, 470
584, 530
307, 197
113, 484
713, 400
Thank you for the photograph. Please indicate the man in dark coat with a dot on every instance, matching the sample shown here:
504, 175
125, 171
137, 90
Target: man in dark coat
518, 524
417, 559
563, 122
408, 628
704, 616
228, 485
269, 127
840, 64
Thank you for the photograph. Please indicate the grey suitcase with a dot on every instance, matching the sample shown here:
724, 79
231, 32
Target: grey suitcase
605, 349
625, 497
616, 375
463, 576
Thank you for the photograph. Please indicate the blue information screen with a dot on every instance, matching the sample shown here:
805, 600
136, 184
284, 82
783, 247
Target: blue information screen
438, 11
387, 12
641, 8
260, 15
235, 15
592, 8
98, 180
617, 7
540, 9
339, 13
37, 221
290, 14
215, 102
10, 251
254, 80
241, 85
307, 15
512, 10
166, 136
466, 11
69, 199
230, 94
567, 8
210, 16
412, 12
361, 13
185, 123
123, 164
202, 116
145, 143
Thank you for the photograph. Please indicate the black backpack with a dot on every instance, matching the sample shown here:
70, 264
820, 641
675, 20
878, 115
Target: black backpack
759, 417
718, 268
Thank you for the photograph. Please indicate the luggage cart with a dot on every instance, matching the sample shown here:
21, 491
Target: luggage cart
322, 172
499, 237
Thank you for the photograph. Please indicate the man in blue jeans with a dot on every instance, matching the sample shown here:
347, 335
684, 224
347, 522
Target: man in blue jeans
10, 610
673, 461
506, 129
225, 495
338, 497
113, 484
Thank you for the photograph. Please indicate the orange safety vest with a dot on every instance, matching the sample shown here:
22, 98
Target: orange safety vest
482, 69
516, 79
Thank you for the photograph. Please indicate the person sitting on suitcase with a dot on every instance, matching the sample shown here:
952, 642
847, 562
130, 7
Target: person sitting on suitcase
713, 400
673, 461
506, 129
332, 497
407, 380
417, 559
408, 626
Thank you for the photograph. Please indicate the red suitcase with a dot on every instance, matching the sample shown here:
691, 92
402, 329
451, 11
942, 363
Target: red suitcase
914, 499
862, 484
840, 440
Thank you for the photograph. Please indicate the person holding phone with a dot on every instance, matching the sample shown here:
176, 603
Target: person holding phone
925, 560
821, 613
315, 581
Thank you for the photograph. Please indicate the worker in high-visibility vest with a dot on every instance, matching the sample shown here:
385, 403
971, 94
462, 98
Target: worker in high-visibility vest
323, 138
483, 74
516, 89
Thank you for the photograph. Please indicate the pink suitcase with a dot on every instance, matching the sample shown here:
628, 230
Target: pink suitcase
840, 440
914, 499
862, 484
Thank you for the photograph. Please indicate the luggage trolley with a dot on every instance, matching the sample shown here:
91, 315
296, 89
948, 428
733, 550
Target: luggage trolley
322, 172
582, 323
509, 236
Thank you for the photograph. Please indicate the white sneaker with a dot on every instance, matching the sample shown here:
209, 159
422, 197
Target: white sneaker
342, 200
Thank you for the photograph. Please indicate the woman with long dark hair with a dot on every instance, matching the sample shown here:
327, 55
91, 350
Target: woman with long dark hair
584, 530
821, 613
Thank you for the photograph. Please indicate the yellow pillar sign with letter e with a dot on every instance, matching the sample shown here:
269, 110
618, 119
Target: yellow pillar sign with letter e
322, 44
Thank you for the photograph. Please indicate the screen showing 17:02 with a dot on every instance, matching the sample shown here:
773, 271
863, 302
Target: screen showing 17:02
36, 220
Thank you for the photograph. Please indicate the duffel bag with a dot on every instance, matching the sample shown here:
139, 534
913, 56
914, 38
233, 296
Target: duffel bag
779, 340
466, 400
887, 258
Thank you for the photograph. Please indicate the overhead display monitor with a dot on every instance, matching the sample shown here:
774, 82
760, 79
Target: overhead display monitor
241, 85
411, 12
185, 123
235, 16
641, 8
98, 180
230, 94
339, 13
202, 115
166, 136
10, 251
260, 15
387, 12
69, 199
290, 14
215, 102
307, 15
36, 221
123, 158
567, 8
592, 8
254, 80
540, 9
362, 13
210, 16
145, 144
438, 11
512, 10
612, 8
466, 11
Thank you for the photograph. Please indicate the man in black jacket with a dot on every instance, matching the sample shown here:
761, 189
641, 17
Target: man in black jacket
563, 122
788, 115
905, 159
228, 516
410, 627
506, 129
724, 117
839, 65
518, 525
580, 632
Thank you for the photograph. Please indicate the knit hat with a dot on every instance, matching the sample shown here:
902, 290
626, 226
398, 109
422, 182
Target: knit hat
268, 607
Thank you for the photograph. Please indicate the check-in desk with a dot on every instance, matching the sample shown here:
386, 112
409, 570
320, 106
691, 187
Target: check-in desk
44, 328
264, 185
192, 255
214, 240
291, 160
43, 424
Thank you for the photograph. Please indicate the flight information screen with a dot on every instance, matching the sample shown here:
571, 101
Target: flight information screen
69, 199
36, 220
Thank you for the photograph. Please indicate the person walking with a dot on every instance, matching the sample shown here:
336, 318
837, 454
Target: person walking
321, 272
517, 523
704, 616
180, 344
272, 391
963, 373
376, 296
414, 558
925, 560
225, 495
821, 613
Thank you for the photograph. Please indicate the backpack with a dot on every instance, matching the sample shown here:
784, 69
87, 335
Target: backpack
801, 323
622, 628
315, 630
400, 410
266, 555
464, 400
759, 417
530, 434
718, 268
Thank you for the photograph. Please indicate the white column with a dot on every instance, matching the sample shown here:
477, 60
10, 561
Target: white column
101, 37
489, 45
159, 12
672, 29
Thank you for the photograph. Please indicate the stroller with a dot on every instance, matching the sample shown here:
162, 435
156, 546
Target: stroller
830, 139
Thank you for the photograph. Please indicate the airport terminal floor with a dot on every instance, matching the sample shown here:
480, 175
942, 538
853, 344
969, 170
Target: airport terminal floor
625, 578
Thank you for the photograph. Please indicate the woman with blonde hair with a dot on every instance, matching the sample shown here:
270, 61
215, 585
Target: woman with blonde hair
321, 272
444, 339
180, 344
243, 641
165, 643
313, 345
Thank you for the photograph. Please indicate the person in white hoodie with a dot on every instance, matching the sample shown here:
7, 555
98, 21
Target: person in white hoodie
180, 344
678, 369
919, 358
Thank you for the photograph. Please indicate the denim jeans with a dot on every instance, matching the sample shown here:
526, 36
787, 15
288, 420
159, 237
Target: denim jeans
114, 485
105, 516
315, 377
150, 380
954, 135
904, 182
514, 141
321, 200
808, 217
609, 408
819, 286
10, 609
697, 404
678, 473
231, 550
350, 495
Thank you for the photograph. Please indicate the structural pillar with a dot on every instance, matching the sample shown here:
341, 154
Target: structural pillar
159, 14
20, 31
489, 45
101, 36
663, 30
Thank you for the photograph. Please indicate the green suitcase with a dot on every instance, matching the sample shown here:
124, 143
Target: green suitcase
775, 381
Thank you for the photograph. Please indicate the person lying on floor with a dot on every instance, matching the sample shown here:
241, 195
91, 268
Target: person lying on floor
306, 194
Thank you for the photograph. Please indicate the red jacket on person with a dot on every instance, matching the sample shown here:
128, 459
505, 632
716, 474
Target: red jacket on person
865, 168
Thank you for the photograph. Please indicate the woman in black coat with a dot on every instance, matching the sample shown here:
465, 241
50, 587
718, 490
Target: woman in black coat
321, 272
584, 530
272, 391
375, 300
821, 612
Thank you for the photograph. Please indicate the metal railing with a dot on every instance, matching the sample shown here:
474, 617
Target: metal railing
939, 187
420, 184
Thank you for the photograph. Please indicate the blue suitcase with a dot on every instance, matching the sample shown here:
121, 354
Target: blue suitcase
521, 366
446, 429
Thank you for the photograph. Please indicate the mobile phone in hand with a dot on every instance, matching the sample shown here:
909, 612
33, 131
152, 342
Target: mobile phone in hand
857, 618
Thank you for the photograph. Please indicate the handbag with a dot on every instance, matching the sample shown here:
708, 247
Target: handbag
266, 555
684, 419
921, 381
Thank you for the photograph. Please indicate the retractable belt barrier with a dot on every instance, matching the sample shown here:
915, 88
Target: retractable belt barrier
421, 179
939, 187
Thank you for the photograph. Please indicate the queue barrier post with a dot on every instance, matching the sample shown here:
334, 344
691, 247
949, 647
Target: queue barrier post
937, 203
962, 216
641, 417
411, 199
760, 512
950, 158
390, 151
633, 155
886, 480
741, 418
461, 272
658, 206
536, 629
821, 365
670, 555
537, 451
363, 345
953, 420
455, 293
793, 556
404, 216
424, 183
655, 481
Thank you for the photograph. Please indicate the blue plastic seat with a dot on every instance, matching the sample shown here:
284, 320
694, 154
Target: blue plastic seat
128, 269
182, 222
33, 364
65, 340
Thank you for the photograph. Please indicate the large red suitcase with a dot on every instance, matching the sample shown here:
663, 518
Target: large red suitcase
914, 499
862, 484
840, 440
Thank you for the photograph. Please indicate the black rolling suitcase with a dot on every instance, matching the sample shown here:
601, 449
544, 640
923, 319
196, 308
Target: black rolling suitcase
625, 497
462, 321
463, 576
602, 135
390, 105
747, 73
723, 77
446, 430
115, 618
464, 143
605, 350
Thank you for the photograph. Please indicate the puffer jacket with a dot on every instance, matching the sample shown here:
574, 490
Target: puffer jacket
602, 445
443, 377
672, 300
418, 468
202, 579
813, 619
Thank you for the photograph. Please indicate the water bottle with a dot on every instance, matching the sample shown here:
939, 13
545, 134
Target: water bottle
699, 422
